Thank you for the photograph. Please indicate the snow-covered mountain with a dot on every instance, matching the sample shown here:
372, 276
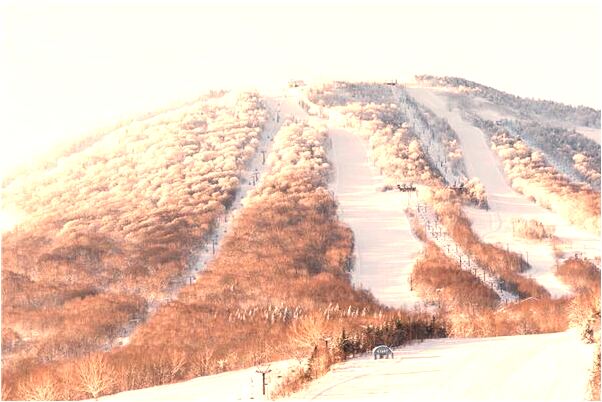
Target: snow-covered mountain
304, 228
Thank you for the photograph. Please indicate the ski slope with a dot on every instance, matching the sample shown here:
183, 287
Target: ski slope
385, 246
495, 225
528, 367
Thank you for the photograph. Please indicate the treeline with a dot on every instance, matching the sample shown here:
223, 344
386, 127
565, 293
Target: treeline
530, 174
111, 226
577, 155
440, 280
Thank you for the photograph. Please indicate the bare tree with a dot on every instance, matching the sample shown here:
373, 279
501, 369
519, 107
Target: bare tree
203, 362
95, 374
309, 331
37, 388
170, 366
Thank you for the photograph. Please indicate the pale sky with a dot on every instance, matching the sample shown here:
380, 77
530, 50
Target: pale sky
66, 68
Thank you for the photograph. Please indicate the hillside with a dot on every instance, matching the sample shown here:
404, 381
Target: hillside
314, 224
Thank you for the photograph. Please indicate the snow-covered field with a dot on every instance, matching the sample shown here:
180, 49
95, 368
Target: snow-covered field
528, 367
385, 245
231, 385
495, 225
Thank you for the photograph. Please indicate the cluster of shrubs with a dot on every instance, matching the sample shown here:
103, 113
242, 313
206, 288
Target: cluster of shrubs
577, 155
110, 224
440, 280
584, 278
394, 149
340, 93
531, 229
297, 163
470, 309
531, 175
523, 107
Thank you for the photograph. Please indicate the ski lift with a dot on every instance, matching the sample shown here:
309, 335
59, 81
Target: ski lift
405, 188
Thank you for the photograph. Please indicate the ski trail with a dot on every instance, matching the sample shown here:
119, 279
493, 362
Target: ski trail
495, 225
528, 367
386, 247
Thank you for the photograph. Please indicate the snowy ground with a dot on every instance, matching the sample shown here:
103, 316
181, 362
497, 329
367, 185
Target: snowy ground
591, 133
385, 246
232, 385
489, 111
495, 225
529, 367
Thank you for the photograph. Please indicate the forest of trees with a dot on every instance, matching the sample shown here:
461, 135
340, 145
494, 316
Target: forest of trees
107, 228
530, 174
280, 277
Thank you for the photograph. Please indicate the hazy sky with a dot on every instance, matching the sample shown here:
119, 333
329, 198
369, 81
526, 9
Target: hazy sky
66, 68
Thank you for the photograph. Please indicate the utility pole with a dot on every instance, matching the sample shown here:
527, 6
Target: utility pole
326, 339
263, 372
